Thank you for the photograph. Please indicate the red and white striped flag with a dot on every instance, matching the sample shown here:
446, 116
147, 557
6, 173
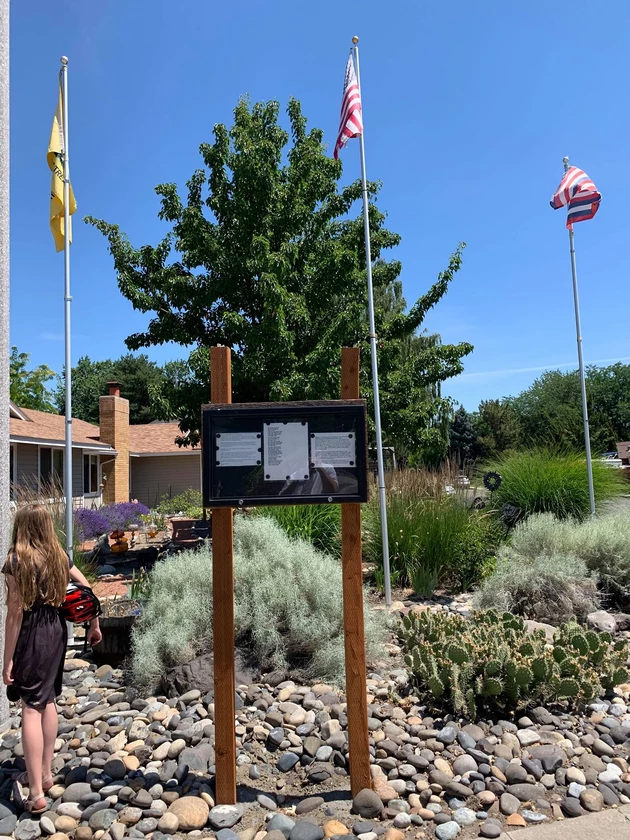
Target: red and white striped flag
351, 122
578, 194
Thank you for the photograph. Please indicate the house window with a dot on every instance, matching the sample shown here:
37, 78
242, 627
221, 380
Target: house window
12, 470
90, 474
51, 470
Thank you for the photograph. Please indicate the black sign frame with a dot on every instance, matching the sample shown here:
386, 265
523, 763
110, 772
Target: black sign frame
214, 415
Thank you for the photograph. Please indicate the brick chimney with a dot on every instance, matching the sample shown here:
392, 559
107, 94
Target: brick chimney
114, 430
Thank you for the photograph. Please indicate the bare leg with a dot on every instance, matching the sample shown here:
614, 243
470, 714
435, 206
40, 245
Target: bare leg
33, 743
49, 728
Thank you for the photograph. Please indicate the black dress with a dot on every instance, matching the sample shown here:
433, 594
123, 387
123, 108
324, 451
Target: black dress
39, 653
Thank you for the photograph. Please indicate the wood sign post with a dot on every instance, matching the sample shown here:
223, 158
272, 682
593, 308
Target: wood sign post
224, 450
223, 609
353, 621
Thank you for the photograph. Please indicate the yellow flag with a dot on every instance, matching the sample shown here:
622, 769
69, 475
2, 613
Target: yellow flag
56, 150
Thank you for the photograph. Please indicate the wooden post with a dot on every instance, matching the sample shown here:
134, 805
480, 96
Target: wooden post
223, 608
354, 628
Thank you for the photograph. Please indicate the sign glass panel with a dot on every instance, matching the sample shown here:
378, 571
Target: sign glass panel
284, 453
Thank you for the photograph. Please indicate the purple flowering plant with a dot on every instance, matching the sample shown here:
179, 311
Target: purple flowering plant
91, 524
123, 514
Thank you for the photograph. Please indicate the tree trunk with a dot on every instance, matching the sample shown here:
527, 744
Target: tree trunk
5, 478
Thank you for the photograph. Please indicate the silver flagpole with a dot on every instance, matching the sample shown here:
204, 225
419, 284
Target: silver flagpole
578, 331
377, 406
5, 476
67, 301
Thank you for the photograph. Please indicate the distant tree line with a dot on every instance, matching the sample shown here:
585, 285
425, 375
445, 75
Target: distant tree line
547, 414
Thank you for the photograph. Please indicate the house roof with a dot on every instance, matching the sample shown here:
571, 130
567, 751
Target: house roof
50, 428
157, 439
31, 426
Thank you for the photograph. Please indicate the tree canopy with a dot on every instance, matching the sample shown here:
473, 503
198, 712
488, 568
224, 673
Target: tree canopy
264, 256
28, 388
551, 409
139, 378
548, 414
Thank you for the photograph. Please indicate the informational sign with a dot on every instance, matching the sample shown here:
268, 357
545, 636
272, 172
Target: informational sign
284, 453
238, 449
334, 449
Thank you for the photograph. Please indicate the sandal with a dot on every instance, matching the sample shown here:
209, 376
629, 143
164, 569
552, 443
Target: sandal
30, 805
22, 779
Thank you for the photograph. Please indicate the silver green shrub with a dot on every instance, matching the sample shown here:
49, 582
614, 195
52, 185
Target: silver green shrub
288, 608
550, 588
603, 544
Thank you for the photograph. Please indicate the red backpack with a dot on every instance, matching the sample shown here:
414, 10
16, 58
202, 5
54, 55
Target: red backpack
81, 604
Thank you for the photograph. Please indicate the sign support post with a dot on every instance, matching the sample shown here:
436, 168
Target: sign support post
353, 620
223, 608
223, 579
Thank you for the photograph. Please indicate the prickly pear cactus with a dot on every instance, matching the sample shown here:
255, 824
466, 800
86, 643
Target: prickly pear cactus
493, 661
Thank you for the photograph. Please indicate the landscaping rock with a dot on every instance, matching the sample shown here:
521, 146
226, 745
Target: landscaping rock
447, 831
192, 813
602, 621
305, 830
367, 804
27, 830
572, 808
309, 804
281, 823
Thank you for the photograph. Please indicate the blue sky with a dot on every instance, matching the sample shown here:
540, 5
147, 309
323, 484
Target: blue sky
469, 109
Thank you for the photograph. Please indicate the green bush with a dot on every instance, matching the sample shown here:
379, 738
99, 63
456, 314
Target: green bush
545, 481
551, 588
288, 613
189, 503
601, 545
493, 662
432, 539
317, 524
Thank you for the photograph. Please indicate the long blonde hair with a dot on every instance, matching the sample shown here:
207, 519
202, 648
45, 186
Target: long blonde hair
37, 561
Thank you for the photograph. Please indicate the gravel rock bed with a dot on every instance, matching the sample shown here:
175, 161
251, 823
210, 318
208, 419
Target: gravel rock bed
136, 767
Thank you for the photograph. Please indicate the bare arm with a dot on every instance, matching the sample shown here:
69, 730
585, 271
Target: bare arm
94, 633
12, 628
78, 576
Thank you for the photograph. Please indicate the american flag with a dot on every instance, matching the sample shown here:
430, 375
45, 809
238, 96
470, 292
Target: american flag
351, 122
578, 194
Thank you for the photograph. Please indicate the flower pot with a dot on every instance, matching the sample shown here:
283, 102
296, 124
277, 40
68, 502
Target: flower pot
116, 644
116, 629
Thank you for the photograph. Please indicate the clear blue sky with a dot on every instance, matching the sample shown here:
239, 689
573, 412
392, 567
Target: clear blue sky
468, 109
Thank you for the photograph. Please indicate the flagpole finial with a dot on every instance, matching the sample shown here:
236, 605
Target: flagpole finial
64, 60
355, 39
565, 160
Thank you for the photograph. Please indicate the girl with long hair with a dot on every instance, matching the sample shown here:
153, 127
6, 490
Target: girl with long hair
37, 572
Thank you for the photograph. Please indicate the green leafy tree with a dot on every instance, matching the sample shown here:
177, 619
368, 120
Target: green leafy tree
264, 257
550, 411
139, 379
463, 441
28, 388
498, 428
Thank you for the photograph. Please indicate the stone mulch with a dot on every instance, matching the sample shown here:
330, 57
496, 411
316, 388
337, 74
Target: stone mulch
143, 767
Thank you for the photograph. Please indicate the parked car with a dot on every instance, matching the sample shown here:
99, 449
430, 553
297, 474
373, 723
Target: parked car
611, 459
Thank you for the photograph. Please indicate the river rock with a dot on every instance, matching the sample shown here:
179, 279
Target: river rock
367, 804
305, 830
192, 813
221, 816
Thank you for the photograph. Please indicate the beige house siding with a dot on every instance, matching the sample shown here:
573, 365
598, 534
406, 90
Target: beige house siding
27, 469
27, 464
153, 477
77, 472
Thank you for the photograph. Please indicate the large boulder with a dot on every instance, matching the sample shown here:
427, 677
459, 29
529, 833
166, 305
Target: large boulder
199, 674
602, 621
